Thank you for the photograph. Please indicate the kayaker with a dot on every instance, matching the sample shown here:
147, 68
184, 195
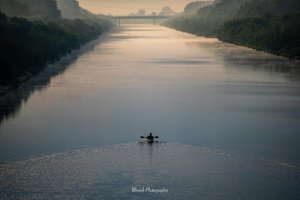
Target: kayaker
150, 138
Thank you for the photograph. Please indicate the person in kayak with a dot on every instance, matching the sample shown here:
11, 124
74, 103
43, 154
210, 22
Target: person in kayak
150, 138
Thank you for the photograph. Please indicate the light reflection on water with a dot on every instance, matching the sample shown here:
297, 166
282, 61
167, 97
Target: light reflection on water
186, 89
188, 172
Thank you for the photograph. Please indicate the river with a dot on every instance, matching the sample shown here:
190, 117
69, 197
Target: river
199, 95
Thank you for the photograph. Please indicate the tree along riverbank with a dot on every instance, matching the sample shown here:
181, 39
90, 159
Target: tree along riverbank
28, 46
272, 26
276, 35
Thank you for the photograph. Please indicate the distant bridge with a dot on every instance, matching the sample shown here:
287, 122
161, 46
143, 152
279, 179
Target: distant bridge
154, 18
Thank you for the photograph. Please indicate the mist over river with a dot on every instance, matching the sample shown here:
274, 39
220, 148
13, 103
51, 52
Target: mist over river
227, 117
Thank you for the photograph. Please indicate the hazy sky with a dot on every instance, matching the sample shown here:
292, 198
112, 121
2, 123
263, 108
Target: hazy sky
122, 7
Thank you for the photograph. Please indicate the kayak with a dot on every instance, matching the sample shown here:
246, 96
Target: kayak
150, 139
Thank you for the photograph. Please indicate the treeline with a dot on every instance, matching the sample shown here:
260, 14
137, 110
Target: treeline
27, 46
34, 33
31, 9
277, 35
269, 25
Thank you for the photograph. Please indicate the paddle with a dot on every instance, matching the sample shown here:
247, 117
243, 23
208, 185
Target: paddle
145, 137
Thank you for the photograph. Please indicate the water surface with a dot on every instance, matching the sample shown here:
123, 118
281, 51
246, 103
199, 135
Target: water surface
174, 170
139, 78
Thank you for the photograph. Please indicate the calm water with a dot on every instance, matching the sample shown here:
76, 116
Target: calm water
186, 172
199, 95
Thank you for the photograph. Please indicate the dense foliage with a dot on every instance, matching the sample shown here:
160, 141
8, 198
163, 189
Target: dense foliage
31, 9
194, 25
208, 19
269, 25
193, 7
278, 35
27, 46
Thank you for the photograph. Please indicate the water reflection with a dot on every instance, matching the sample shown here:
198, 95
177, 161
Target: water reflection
11, 103
242, 58
188, 89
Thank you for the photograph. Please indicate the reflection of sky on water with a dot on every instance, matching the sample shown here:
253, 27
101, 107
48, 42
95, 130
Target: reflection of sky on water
188, 172
187, 89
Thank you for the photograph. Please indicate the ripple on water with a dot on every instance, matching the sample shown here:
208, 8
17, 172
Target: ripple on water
186, 171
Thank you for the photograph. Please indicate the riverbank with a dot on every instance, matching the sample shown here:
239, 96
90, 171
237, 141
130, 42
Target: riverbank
32, 45
271, 26
14, 97
275, 35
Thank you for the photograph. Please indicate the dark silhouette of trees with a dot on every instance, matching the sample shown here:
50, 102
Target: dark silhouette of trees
27, 46
31, 9
193, 7
269, 25
278, 35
